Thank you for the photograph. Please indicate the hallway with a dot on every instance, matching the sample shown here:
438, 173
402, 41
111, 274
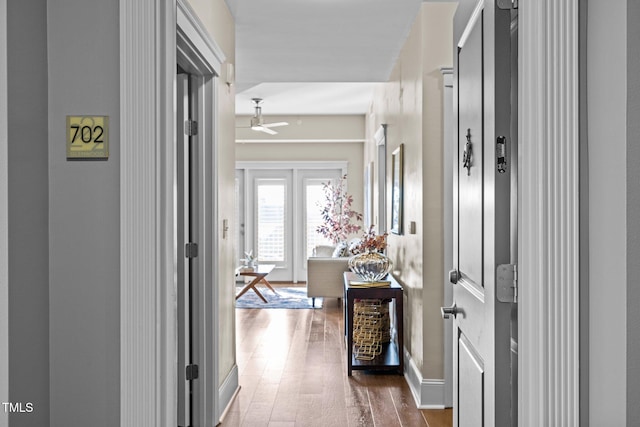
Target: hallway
292, 373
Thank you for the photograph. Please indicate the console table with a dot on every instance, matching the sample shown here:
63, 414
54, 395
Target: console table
391, 358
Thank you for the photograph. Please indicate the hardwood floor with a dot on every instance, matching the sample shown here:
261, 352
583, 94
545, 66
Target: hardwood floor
293, 373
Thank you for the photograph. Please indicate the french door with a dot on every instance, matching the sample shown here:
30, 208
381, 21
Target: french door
270, 226
278, 211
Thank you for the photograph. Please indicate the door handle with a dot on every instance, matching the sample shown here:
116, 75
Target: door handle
454, 276
446, 312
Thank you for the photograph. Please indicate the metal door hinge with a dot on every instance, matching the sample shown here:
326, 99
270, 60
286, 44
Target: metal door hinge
507, 283
191, 250
191, 127
191, 372
507, 4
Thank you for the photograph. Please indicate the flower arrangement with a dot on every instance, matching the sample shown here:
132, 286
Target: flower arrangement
249, 259
337, 212
371, 242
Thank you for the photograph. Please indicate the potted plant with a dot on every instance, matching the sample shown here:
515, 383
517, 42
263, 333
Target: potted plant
337, 213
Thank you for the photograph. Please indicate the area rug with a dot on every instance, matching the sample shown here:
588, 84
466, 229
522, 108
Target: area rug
295, 297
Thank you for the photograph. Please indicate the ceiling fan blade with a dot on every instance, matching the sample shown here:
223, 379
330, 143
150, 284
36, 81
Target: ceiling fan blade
275, 125
264, 129
269, 131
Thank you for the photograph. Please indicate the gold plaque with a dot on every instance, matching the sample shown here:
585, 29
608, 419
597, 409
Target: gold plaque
87, 137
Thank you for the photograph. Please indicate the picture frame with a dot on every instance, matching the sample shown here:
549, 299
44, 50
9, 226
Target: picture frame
397, 173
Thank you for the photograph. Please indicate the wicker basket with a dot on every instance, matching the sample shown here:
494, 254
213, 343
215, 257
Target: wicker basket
371, 327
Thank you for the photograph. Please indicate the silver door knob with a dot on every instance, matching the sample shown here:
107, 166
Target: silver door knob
454, 276
448, 311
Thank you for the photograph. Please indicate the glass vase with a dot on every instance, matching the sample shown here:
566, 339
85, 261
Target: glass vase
370, 266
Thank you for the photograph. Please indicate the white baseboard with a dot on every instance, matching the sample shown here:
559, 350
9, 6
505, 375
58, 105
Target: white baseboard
428, 393
228, 391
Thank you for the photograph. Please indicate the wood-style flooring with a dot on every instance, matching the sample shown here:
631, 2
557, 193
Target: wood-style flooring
293, 373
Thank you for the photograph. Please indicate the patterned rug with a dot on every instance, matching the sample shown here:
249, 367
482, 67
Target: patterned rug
295, 297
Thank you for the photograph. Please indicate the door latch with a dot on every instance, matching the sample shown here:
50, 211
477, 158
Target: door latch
466, 157
507, 283
501, 154
447, 312
507, 4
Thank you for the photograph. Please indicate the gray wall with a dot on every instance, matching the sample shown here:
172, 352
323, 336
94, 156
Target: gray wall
607, 139
633, 216
64, 266
28, 220
84, 217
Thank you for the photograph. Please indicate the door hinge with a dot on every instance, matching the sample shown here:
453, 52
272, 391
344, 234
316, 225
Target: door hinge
191, 250
507, 4
191, 372
190, 127
507, 283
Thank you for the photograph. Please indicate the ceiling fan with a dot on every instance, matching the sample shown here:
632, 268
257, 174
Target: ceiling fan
257, 122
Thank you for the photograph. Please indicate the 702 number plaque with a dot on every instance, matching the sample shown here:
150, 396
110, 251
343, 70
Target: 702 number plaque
87, 137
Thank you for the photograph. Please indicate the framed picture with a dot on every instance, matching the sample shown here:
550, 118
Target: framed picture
396, 189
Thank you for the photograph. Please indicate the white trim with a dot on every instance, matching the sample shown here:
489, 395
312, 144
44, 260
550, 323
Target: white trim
299, 141
477, 12
166, 287
447, 156
208, 253
4, 220
228, 391
380, 136
191, 28
427, 393
548, 371
148, 333
141, 372
293, 165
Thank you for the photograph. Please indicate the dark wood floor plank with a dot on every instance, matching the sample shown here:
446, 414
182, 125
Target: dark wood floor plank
383, 410
293, 373
439, 417
405, 405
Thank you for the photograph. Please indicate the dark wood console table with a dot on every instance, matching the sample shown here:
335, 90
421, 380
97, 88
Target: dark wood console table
391, 358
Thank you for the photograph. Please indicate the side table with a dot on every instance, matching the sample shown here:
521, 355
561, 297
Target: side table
259, 274
391, 358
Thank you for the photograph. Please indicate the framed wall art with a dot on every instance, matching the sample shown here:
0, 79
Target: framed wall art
396, 189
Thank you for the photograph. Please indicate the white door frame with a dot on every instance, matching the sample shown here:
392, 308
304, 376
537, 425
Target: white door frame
4, 220
447, 157
150, 33
549, 216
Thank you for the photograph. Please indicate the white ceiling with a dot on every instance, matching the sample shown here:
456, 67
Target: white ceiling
316, 56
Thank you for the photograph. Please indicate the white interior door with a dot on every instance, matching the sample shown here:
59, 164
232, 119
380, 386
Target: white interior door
482, 206
184, 236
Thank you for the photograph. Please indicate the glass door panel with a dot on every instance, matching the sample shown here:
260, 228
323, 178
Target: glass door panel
269, 225
272, 220
314, 197
311, 199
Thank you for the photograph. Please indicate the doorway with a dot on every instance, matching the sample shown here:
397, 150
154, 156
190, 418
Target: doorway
196, 237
